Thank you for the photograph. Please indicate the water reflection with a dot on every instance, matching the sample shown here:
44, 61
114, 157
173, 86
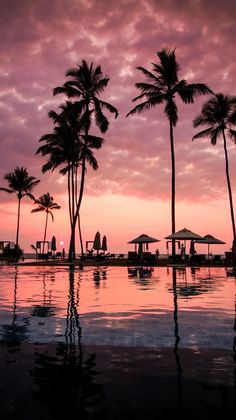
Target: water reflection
191, 285
131, 353
177, 338
212, 388
14, 333
142, 276
63, 376
46, 309
99, 273
234, 343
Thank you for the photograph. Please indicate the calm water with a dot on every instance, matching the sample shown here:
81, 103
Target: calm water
117, 344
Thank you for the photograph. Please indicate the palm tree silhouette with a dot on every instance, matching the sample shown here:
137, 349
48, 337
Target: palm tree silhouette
21, 184
162, 88
219, 114
86, 84
67, 147
45, 203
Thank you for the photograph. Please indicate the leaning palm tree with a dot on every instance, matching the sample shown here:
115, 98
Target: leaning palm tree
85, 86
219, 114
45, 203
162, 87
21, 184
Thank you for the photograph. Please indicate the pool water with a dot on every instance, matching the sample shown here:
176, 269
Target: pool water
115, 343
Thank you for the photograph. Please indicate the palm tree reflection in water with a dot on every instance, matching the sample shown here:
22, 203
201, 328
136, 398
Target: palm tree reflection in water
73, 328
64, 379
13, 333
234, 344
177, 339
46, 309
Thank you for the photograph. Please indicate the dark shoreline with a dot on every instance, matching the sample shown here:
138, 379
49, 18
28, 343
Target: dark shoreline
117, 263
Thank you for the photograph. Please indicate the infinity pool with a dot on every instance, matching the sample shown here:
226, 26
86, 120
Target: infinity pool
114, 343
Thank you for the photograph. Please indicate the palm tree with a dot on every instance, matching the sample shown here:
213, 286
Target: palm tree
162, 86
45, 203
67, 147
85, 85
219, 114
21, 184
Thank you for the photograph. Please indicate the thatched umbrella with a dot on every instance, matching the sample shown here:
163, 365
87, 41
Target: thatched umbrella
209, 239
142, 240
185, 235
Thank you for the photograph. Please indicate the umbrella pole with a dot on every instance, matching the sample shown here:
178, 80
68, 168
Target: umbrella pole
208, 251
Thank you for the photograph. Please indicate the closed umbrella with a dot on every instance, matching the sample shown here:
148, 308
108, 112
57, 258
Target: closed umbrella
53, 244
104, 243
97, 242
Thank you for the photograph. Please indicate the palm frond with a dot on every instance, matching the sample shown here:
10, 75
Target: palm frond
208, 132
232, 134
94, 142
147, 88
150, 103
53, 115
169, 67
200, 120
110, 107
70, 91
232, 118
7, 190
148, 73
101, 120
49, 212
31, 196
90, 158
188, 92
38, 209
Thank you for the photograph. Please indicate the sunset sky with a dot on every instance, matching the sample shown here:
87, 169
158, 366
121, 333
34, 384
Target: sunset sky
130, 193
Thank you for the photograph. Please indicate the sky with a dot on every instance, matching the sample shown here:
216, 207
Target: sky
130, 192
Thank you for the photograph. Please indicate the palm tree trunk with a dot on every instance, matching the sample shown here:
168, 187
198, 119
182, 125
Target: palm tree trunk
69, 195
80, 236
79, 224
172, 187
70, 185
18, 223
230, 194
70, 257
45, 231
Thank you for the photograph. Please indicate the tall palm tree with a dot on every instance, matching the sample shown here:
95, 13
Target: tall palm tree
67, 147
219, 114
45, 203
162, 87
85, 86
21, 184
